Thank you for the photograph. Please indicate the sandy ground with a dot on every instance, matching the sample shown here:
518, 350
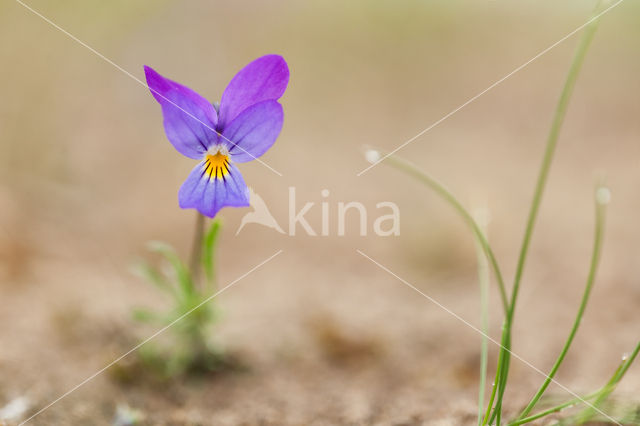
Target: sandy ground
326, 336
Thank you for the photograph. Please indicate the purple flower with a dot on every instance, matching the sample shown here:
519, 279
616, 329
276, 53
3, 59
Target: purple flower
241, 129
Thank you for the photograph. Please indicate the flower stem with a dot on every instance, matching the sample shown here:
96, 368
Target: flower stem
552, 139
196, 249
447, 196
595, 258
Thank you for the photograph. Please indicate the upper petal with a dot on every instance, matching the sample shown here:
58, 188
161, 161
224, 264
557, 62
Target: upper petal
209, 193
189, 119
264, 78
253, 132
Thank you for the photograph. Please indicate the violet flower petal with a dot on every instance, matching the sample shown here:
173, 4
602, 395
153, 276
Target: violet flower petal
254, 131
208, 194
189, 119
264, 78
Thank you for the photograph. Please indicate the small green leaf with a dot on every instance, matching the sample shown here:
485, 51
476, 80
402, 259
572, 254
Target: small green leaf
208, 250
144, 315
151, 274
182, 272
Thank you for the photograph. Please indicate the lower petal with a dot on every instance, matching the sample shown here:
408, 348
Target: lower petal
208, 189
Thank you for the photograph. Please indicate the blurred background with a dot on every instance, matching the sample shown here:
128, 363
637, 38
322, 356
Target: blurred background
87, 177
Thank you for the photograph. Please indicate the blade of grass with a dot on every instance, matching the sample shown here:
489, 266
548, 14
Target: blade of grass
410, 169
606, 389
588, 412
155, 277
552, 139
483, 280
182, 273
554, 409
602, 198
493, 389
447, 196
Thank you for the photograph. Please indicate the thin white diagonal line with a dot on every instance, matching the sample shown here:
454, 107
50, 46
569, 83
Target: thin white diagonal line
542, 53
109, 61
153, 336
476, 329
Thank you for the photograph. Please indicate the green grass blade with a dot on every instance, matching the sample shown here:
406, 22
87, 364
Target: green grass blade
483, 280
601, 200
552, 139
600, 395
182, 273
446, 195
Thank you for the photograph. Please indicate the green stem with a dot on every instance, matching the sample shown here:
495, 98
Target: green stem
502, 381
595, 258
552, 139
627, 363
555, 409
608, 389
196, 249
483, 280
443, 192
601, 393
493, 389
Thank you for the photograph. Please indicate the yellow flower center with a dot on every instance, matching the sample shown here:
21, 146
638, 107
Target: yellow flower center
216, 166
